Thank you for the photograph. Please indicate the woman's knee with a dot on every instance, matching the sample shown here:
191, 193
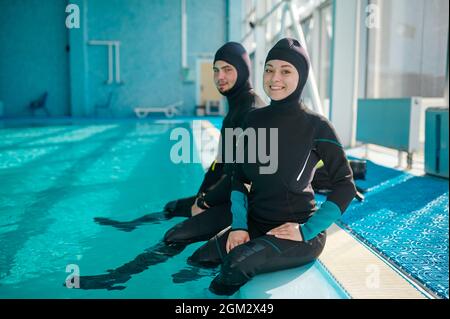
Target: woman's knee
212, 253
205, 257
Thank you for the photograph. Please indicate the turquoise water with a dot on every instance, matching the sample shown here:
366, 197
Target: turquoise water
55, 179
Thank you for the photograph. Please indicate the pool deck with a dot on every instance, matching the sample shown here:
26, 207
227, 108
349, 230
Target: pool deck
361, 272
354, 265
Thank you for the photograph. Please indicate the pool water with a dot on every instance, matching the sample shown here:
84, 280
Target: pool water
55, 179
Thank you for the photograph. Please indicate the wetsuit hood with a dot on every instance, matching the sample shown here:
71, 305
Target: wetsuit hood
236, 55
291, 51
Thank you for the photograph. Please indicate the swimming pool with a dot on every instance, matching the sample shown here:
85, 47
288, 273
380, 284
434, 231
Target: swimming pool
55, 179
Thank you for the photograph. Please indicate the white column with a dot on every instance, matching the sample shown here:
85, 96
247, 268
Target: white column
345, 72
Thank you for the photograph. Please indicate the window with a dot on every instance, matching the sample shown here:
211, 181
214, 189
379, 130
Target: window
326, 36
407, 53
318, 30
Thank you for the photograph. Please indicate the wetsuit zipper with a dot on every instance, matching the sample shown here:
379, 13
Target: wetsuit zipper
304, 166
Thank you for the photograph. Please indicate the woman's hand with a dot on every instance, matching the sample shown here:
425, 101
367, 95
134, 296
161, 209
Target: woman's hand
236, 238
288, 231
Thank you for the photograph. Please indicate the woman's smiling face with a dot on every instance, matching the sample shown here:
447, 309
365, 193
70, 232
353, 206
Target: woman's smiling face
280, 79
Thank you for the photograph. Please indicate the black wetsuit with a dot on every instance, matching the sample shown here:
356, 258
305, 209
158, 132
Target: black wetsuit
304, 138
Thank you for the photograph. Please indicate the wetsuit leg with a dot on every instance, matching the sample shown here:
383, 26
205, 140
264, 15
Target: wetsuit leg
261, 255
212, 253
180, 207
202, 226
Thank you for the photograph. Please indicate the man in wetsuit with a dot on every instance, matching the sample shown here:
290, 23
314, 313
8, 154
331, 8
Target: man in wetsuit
210, 208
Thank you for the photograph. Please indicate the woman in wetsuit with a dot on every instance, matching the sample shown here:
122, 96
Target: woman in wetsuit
276, 224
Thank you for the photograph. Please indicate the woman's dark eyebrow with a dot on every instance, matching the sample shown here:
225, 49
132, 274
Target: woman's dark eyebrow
283, 66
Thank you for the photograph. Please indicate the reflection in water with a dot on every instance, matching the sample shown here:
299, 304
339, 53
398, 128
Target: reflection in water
157, 254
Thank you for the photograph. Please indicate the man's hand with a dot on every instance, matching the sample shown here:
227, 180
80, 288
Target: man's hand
236, 238
288, 231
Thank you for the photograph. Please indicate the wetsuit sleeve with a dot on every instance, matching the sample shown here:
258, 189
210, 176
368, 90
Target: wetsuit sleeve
219, 192
212, 176
239, 198
239, 207
330, 150
327, 214
238, 177
239, 195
